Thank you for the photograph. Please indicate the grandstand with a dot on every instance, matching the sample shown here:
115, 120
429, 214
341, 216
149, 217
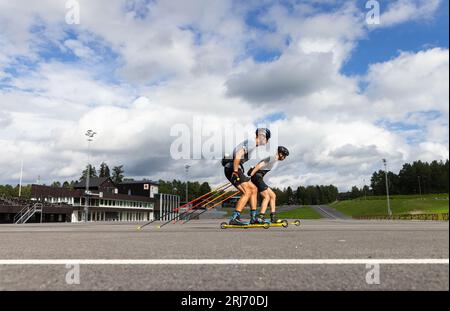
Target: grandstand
105, 201
12, 209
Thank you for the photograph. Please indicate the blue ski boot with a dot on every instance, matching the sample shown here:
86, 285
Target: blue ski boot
236, 219
255, 220
262, 218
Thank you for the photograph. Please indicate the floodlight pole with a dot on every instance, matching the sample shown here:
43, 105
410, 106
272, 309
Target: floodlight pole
364, 187
20, 181
187, 181
420, 188
90, 135
387, 188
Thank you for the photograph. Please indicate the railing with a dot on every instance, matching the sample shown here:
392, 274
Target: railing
21, 213
27, 212
441, 217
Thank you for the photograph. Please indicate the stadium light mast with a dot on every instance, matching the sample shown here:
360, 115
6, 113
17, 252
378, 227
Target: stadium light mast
387, 188
20, 180
364, 188
90, 136
187, 181
420, 188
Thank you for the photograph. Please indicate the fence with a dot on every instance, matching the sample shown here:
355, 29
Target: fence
441, 217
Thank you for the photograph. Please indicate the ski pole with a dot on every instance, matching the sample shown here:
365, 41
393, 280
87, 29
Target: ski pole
192, 207
209, 208
205, 201
192, 212
214, 200
175, 210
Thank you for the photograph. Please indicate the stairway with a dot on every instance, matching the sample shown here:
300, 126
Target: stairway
27, 212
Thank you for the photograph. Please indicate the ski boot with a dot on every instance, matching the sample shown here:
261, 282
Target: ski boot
262, 218
274, 219
254, 219
236, 219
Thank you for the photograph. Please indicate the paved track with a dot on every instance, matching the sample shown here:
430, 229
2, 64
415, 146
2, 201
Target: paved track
329, 212
202, 239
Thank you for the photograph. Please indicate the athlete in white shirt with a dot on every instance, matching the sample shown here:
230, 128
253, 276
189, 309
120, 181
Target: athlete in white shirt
257, 174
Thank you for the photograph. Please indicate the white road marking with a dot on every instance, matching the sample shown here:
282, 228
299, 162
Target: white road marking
426, 261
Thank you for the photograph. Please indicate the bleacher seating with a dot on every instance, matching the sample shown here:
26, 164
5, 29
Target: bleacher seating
16, 201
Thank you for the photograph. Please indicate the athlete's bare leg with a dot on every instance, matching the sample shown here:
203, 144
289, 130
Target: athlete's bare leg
253, 197
246, 190
273, 200
265, 200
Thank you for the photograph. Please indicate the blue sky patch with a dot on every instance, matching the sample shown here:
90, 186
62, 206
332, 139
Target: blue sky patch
398, 126
270, 118
140, 8
385, 43
197, 34
429, 115
253, 19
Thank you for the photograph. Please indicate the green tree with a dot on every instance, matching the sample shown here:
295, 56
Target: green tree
300, 195
104, 170
56, 184
204, 188
92, 172
118, 174
355, 192
289, 194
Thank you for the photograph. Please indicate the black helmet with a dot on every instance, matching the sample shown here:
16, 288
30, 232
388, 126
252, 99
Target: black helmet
264, 131
283, 150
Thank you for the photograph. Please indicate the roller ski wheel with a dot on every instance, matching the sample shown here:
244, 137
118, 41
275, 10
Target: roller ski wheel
297, 222
285, 223
223, 225
266, 225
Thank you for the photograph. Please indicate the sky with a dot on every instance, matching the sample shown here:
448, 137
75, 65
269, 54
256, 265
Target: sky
339, 91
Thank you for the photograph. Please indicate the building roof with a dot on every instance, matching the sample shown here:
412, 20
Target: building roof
131, 182
40, 191
47, 191
93, 182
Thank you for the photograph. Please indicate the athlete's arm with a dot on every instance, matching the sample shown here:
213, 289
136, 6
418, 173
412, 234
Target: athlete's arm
259, 166
237, 159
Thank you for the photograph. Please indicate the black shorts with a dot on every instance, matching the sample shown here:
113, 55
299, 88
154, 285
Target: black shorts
258, 181
242, 177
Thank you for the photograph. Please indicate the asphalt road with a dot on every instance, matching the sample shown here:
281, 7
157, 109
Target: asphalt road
202, 239
329, 212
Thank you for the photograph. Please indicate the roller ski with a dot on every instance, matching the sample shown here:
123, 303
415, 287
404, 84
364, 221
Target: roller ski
266, 225
274, 221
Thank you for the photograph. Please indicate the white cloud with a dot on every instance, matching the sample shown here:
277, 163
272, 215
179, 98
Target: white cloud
401, 11
290, 76
79, 49
182, 60
430, 151
412, 82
